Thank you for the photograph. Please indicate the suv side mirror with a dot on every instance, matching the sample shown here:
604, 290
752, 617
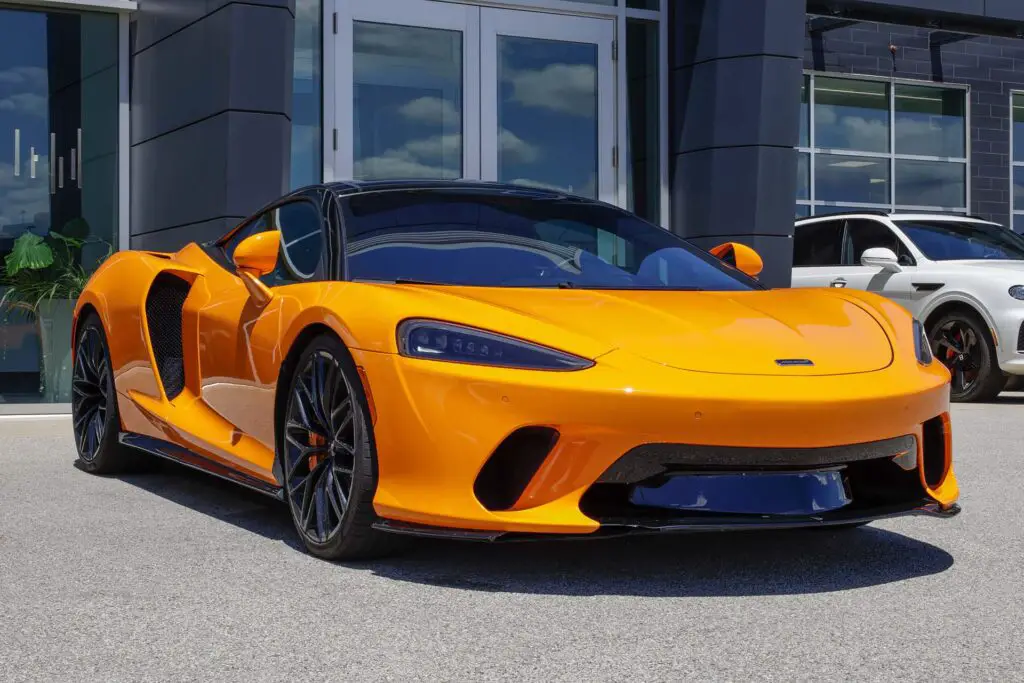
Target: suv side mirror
255, 256
740, 256
881, 257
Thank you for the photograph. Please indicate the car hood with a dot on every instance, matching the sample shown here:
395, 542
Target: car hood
719, 332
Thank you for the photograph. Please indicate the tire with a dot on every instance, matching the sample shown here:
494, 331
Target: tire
973, 353
95, 420
322, 447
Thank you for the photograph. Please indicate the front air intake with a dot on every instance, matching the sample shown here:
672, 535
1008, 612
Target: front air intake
505, 475
164, 304
936, 461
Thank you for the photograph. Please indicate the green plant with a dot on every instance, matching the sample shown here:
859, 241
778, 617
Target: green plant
41, 269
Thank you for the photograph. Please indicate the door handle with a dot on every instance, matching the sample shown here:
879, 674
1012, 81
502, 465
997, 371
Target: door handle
838, 282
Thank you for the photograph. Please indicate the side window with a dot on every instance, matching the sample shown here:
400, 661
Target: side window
863, 234
818, 244
302, 243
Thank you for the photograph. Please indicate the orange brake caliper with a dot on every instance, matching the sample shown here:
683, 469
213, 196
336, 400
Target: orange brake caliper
315, 440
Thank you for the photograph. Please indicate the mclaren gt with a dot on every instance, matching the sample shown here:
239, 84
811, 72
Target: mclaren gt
488, 361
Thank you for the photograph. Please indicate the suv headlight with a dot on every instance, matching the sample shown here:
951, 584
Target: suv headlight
1017, 292
921, 346
443, 341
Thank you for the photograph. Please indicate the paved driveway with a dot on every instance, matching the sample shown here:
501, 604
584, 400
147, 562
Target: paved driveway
177, 576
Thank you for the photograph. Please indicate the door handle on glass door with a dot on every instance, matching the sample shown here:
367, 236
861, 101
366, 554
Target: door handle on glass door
838, 282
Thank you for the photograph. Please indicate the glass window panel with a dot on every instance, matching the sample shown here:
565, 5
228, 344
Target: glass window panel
931, 183
1018, 127
805, 113
547, 114
842, 208
803, 176
1018, 188
307, 100
1018, 222
643, 4
299, 257
644, 151
407, 120
851, 114
818, 244
607, 3
58, 97
864, 180
803, 210
930, 121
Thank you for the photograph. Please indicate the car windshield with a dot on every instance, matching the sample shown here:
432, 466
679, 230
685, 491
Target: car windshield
963, 240
519, 239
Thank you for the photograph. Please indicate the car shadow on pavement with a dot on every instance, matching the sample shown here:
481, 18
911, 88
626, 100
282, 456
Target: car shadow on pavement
704, 564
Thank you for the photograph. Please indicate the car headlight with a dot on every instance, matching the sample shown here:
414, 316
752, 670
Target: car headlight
921, 346
460, 344
1017, 292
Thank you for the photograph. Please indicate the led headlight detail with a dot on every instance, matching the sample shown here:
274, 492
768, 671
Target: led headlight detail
921, 346
1017, 292
457, 343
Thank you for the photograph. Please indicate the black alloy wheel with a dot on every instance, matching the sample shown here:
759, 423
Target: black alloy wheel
94, 417
961, 342
327, 458
90, 387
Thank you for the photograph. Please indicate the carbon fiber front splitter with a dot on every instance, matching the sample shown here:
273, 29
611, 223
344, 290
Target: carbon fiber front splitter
612, 527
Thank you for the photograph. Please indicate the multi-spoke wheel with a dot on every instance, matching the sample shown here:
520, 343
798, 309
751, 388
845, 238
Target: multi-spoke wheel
961, 341
327, 457
94, 416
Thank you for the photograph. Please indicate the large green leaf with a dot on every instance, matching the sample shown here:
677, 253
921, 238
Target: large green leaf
29, 253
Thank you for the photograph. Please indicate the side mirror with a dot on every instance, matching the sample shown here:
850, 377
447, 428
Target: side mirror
741, 257
256, 255
881, 257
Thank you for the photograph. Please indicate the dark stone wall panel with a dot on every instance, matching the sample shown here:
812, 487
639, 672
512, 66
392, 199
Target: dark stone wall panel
175, 238
229, 60
716, 99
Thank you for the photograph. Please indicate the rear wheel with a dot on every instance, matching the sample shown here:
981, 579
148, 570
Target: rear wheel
94, 417
328, 458
961, 341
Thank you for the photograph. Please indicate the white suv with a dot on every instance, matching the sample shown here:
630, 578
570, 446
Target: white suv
962, 277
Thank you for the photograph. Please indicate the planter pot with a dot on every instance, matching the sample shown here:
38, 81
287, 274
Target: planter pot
54, 320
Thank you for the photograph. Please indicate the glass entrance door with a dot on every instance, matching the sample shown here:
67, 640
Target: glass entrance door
428, 89
547, 101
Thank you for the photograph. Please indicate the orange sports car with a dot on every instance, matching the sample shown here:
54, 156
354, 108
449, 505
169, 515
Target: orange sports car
487, 361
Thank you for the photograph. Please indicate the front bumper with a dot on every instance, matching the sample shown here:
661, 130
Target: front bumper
438, 426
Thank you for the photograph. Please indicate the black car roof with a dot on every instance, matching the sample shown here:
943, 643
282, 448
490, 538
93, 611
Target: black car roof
350, 187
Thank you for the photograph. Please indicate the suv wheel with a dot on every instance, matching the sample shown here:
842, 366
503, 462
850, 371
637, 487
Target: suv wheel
961, 341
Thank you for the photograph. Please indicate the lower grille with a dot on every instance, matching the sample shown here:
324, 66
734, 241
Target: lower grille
1020, 339
651, 460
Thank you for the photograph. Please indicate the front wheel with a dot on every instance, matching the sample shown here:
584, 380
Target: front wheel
328, 458
94, 416
961, 341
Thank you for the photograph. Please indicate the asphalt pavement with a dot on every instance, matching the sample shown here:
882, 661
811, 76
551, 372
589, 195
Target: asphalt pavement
176, 576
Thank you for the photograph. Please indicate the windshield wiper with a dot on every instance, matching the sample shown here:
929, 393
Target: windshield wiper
413, 281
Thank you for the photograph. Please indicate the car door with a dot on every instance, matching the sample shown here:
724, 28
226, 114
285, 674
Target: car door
817, 253
239, 337
866, 233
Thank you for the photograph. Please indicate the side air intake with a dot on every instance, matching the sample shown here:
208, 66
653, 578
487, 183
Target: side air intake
163, 317
505, 475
